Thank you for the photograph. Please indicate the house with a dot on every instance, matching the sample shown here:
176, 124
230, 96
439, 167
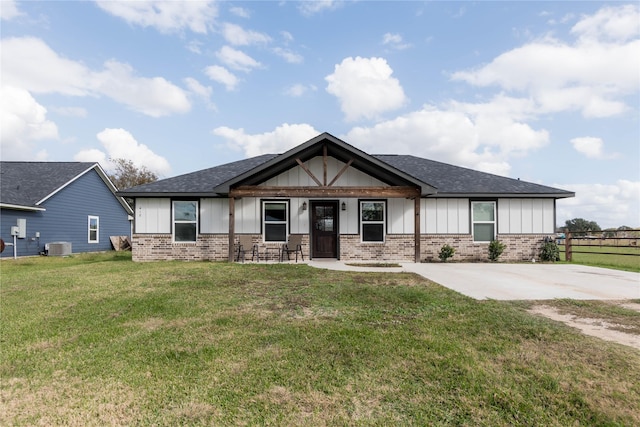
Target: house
52, 202
345, 203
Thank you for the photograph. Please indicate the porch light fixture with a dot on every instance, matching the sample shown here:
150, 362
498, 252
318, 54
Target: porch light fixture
344, 206
304, 206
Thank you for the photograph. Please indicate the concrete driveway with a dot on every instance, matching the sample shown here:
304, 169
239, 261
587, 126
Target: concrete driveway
518, 281
531, 281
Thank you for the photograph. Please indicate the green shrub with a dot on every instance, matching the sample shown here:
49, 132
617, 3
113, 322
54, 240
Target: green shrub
550, 251
446, 252
496, 247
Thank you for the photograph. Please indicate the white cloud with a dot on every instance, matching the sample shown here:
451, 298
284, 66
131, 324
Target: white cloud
288, 55
589, 146
236, 59
312, 7
298, 90
481, 138
283, 138
198, 89
155, 97
364, 87
609, 205
165, 16
240, 11
394, 41
54, 74
238, 36
573, 77
120, 144
616, 24
222, 75
22, 121
9, 10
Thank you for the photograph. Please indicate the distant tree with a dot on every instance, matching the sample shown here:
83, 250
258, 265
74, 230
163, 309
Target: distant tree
578, 225
128, 175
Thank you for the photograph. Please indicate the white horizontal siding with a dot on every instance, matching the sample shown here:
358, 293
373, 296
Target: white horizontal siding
444, 216
153, 216
525, 216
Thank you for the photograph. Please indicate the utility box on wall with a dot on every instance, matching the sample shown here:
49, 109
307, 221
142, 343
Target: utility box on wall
22, 228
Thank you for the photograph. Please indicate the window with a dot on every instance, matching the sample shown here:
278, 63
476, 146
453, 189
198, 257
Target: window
372, 221
275, 220
484, 221
185, 221
94, 229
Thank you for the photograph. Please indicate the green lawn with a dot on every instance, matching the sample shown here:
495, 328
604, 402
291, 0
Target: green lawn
622, 258
100, 340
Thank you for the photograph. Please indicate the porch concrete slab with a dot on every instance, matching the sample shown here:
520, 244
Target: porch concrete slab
533, 281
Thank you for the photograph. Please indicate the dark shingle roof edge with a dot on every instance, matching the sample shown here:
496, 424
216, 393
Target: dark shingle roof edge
449, 180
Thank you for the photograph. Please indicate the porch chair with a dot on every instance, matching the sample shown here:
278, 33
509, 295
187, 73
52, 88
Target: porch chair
293, 245
244, 246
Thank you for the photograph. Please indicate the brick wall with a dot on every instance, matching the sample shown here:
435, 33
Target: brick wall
159, 247
519, 247
397, 247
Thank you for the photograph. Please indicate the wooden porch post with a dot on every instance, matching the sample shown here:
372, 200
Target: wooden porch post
232, 226
416, 227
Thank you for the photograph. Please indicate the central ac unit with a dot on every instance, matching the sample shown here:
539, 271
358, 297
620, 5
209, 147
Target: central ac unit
58, 248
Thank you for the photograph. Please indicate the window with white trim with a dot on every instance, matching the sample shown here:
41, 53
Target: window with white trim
93, 229
275, 221
483, 216
372, 221
185, 220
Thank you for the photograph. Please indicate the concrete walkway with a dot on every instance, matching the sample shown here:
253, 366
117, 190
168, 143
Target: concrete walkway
517, 281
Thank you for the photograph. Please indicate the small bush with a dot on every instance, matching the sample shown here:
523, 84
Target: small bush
550, 251
446, 252
496, 247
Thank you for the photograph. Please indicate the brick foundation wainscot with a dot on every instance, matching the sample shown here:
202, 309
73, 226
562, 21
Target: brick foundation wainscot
396, 247
160, 247
519, 247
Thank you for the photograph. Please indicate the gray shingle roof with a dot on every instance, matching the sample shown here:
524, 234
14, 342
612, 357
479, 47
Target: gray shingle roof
200, 182
443, 178
27, 183
450, 179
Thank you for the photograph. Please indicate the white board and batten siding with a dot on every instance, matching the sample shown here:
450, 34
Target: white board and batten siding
526, 216
444, 216
153, 216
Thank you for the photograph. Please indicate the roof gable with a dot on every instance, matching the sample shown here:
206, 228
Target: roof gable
325, 144
26, 185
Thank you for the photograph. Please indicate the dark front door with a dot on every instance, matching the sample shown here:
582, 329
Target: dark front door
324, 221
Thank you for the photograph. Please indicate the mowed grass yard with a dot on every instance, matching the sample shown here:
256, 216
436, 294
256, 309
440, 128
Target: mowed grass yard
100, 340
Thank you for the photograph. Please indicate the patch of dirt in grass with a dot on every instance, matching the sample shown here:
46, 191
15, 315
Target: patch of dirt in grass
62, 400
596, 327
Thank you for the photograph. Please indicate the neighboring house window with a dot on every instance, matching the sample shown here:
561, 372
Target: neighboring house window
276, 221
372, 221
484, 221
94, 229
185, 221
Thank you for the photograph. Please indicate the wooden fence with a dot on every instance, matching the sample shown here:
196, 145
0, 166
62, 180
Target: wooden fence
617, 242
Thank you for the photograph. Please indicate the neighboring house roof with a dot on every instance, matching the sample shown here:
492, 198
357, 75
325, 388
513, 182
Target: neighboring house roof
434, 178
26, 185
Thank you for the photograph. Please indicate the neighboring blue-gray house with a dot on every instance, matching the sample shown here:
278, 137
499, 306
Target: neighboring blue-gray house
51, 202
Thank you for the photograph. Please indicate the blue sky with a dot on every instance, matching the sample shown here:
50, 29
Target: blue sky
547, 92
